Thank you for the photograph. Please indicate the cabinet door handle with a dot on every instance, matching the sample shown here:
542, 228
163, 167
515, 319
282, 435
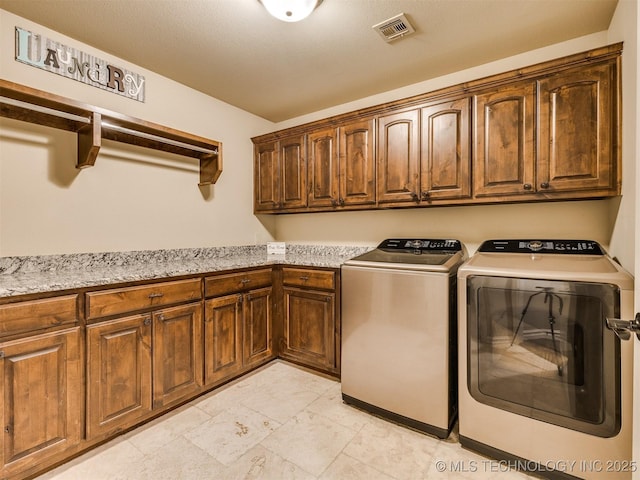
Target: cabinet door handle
544, 185
424, 195
341, 202
304, 278
156, 295
147, 320
527, 186
244, 281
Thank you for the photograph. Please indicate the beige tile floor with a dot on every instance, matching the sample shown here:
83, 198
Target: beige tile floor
281, 422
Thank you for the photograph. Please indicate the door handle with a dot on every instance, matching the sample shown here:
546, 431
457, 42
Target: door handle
624, 328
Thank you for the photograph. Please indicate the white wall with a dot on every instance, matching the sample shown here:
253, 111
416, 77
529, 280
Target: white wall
133, 198
627, 229
472, 224
139, 199
624, 28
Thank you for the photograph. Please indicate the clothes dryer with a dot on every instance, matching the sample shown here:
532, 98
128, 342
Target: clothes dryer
544, 384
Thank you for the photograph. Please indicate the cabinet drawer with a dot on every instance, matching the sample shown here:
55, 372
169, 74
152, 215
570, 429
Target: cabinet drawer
301, 277
37, 314
123, 300
236, 282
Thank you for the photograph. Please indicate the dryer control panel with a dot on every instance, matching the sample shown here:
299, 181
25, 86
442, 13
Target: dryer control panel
571, 247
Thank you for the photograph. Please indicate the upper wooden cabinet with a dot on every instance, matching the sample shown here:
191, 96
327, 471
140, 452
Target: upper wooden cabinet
342, 165
550, 131
570, 114
280, 175
357, 163
445, 155
504, 161
398, 157
577, 149
266, 173
323, 167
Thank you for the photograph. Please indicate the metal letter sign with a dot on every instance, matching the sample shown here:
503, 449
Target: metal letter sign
41, 52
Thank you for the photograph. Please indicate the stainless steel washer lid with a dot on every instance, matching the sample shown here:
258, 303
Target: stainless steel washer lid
413, 254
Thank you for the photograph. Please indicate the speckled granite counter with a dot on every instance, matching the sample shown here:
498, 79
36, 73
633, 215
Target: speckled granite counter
37, 274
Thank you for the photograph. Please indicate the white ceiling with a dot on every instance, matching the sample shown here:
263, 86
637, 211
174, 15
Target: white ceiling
234, 51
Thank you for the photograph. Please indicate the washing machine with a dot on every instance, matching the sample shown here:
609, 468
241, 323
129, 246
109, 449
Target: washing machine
545, 385
399, 332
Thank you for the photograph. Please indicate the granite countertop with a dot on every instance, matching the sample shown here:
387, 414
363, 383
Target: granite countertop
38, 274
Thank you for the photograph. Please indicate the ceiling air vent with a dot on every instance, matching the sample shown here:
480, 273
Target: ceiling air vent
394, 28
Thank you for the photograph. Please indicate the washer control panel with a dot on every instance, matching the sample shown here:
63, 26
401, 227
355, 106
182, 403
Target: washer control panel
421, 245
576, 247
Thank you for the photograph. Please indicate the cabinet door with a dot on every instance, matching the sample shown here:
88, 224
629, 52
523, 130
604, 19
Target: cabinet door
293, 172
445, 157
357, 163
118, 373
398, 157
266, 182
504, 161
577, 111
323, 168
257, 334
177, 353
222, 338
309, 327
43, 397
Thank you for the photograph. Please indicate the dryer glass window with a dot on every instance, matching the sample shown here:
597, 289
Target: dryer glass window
540, 348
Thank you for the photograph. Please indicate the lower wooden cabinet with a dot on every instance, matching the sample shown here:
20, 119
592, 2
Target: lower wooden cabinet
118, 374
223, 338
177, 353
43, 398
67, 386
237, 333
141, 362
309, 327
311, 322
257, 327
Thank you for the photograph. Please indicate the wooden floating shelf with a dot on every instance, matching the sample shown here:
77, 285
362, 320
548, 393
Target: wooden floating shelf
92, 124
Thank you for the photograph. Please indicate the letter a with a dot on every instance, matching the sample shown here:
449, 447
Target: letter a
52, 57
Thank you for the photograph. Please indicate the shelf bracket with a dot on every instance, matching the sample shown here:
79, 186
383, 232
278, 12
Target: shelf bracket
210, 168
89, 141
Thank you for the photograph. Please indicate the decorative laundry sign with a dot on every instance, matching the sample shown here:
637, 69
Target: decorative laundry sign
52, 56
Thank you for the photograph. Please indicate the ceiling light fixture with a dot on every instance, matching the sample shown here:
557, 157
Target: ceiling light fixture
290, 10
